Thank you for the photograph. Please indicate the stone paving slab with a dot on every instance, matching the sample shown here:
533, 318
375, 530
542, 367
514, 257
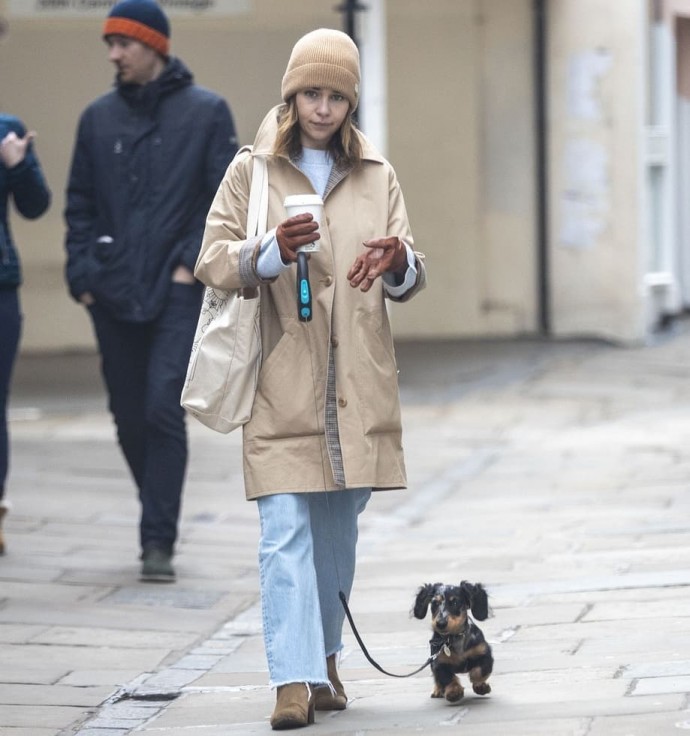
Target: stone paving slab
84, 697
32, 656
23, 672
100, 637
113, 678
651, 725
39, 716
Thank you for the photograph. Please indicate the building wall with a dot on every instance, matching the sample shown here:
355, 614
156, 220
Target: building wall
598, 205
461, 137
460, 116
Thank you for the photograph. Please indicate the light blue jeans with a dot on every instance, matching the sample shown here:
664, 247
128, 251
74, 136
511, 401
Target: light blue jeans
306, 556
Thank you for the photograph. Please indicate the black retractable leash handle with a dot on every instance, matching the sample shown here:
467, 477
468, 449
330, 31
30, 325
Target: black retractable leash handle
372, 661
303, 288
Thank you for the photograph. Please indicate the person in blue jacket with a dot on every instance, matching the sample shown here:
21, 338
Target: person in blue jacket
22, 180
148, 158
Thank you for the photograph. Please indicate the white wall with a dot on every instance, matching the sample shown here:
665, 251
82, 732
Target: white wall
597, 85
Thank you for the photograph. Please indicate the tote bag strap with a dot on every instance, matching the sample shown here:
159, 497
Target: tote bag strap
257, 213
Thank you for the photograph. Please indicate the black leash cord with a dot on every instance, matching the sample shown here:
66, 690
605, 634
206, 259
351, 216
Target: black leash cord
372, 661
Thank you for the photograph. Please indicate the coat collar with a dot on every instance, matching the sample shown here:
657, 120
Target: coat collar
174, 76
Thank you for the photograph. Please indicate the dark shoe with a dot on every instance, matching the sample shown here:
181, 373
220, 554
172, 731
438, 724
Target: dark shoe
327, 699
157, 566
4, 508
294, 707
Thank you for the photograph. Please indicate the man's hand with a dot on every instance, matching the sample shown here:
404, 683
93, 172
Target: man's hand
382, 255
13, 148
295, 232
182, 275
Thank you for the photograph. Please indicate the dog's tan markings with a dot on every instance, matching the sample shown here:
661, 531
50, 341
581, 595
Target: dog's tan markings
479, 681
456, 625
437, 693
456, 657
477, 651
451, 658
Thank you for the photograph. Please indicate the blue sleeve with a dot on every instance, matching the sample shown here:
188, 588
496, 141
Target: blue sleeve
26, 181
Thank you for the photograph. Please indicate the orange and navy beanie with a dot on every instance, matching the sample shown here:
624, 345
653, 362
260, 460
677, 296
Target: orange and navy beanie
143, 20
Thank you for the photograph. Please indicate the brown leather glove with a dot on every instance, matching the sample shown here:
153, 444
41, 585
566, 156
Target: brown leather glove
295, 232
382, 255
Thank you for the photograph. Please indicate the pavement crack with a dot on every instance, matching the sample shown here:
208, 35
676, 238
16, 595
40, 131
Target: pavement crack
586, 609
143, 696
162, 696
631, 687
455, 718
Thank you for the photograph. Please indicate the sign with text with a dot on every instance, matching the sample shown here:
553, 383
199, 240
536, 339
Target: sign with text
68, 9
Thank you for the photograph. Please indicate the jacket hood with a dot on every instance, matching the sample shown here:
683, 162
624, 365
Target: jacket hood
266, 135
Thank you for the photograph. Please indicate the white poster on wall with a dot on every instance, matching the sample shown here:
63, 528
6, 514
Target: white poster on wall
586, 72
585, 206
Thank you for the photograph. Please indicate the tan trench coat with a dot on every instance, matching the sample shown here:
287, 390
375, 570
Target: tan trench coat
284, 443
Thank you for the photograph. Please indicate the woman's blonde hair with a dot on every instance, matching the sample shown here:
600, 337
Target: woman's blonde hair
344, 146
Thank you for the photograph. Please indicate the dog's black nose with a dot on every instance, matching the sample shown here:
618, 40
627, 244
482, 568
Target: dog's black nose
441, 623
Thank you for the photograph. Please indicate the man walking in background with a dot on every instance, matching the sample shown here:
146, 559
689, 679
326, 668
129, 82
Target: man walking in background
148, 158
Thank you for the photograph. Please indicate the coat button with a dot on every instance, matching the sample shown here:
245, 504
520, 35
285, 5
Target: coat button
342, 403
328, 280
334, 342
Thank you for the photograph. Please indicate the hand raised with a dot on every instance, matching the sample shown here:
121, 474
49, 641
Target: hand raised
382, 255
13, 148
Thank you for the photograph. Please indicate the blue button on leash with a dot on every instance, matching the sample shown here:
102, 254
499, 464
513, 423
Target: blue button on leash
303, 288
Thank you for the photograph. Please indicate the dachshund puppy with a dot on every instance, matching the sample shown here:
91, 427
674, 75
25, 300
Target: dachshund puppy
458, 644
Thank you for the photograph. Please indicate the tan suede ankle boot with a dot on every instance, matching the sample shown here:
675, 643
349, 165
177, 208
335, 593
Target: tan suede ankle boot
294, 707
324, 697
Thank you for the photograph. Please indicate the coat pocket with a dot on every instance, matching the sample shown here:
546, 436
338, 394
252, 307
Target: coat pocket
379, 401
288, 400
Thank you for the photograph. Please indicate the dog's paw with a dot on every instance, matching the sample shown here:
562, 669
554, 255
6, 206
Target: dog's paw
437, 692
454, 693
482, 688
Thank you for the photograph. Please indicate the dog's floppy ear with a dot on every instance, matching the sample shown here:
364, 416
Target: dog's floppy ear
478, 599
424, 596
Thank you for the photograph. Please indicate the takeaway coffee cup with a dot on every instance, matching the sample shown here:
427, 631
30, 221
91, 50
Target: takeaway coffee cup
296, 204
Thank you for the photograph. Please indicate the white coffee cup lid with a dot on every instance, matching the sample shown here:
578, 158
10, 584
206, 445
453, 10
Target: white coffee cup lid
293, 200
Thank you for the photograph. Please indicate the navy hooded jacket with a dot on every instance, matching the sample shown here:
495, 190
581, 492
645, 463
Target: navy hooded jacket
26, 185
146, 165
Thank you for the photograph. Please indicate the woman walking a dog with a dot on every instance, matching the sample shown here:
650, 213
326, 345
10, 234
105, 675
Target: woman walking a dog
325, 429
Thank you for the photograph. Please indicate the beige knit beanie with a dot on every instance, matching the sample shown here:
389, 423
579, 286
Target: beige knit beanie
323, 58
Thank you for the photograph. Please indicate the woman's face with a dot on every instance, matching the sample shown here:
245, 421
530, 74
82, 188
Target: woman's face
320, 112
